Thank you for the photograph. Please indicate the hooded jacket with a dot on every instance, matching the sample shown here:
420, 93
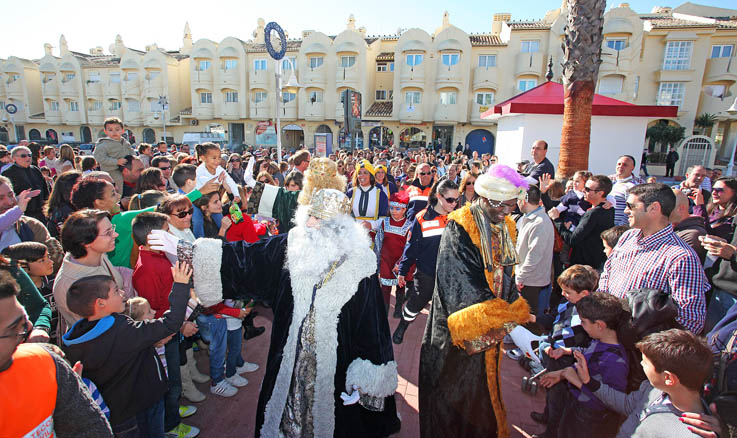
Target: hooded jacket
119, 357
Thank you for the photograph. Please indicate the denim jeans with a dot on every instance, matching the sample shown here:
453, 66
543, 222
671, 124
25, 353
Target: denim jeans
171, 399
214, 330
543, 299
151, 421
234, 359
719, 304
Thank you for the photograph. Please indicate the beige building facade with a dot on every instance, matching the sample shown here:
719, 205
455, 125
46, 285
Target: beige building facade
417, 87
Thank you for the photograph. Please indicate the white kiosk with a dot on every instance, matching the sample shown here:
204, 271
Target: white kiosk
617, 127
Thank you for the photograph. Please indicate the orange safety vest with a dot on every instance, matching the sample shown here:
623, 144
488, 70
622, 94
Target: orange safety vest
415, 194
29, 394
431, 227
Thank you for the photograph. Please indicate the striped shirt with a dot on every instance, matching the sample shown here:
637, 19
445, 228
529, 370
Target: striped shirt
620, 190
661, 261
96, 396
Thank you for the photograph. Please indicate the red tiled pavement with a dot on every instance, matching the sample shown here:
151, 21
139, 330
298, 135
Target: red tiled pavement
235, 417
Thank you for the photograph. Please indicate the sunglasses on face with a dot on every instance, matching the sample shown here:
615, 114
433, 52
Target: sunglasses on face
184, 213
164, 168
717, 189
589, 189
23, 155
425, 173
450, 200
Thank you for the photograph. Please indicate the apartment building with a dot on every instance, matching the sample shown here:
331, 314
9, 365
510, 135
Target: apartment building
417, 86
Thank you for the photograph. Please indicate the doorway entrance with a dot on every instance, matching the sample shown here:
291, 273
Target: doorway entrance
442, 137
237, 137
85, 134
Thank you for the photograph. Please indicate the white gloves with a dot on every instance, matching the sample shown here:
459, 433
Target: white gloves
248, 174
161, 240
352, 398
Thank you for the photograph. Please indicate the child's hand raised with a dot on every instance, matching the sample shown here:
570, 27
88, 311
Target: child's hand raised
181, 272
570, 374
582, 369
557, 353
550, 379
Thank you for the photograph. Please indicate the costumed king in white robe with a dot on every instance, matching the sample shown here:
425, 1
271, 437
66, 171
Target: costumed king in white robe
330, 339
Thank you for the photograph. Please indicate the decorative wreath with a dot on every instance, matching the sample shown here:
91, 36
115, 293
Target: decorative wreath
267, 40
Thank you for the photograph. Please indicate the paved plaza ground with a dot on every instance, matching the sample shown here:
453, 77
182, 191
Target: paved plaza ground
235, 417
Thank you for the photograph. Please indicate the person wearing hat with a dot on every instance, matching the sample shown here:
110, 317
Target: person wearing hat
383, 181
276, 202
329, 326
368, 201
391, 236
474, 305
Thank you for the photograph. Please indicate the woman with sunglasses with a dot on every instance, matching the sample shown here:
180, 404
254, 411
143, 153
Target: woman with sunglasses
719, 213
422, 250
468, 194
98, 193
235, 170
179, 210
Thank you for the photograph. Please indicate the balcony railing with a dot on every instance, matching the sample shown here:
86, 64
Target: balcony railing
413, 113
721, 69
485, 77
529, 63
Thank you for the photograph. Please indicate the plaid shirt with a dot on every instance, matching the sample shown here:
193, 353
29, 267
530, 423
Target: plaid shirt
664, 262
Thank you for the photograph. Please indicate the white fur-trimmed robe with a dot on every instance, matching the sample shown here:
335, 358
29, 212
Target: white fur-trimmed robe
351, 330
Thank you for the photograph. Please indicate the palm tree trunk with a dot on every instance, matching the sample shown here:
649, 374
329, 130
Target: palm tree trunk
581, 59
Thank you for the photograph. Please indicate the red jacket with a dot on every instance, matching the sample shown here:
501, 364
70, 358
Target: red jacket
245, 230
153, 280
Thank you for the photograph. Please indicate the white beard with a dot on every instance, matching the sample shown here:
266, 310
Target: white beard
312, 251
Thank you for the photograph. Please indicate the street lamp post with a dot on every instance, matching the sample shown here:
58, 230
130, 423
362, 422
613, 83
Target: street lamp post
164, 103
291, 85
732, 111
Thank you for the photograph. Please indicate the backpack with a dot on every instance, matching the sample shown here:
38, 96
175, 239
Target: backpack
722, 388
652, 311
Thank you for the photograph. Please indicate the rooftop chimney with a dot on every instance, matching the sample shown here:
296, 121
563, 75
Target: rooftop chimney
496, 25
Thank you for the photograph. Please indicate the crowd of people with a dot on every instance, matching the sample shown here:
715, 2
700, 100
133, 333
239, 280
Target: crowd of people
117, 266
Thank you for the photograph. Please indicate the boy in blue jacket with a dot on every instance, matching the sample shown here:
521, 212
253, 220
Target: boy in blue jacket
118, 353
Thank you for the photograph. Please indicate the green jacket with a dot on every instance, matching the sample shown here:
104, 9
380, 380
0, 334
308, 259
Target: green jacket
38, 309
121, 255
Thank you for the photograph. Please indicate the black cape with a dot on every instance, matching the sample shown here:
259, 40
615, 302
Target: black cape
453, 393
259, 271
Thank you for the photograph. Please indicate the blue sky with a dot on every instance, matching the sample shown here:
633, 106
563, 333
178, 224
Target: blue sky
28, 24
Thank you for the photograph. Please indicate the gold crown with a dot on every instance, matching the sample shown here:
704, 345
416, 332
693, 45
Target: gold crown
328, 203
323, 167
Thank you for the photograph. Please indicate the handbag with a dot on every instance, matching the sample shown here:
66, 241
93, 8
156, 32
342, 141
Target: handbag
652, 311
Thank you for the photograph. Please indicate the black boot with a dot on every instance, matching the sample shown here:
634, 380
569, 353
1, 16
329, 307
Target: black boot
398, 336
398, 303
252, 332
539, 417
